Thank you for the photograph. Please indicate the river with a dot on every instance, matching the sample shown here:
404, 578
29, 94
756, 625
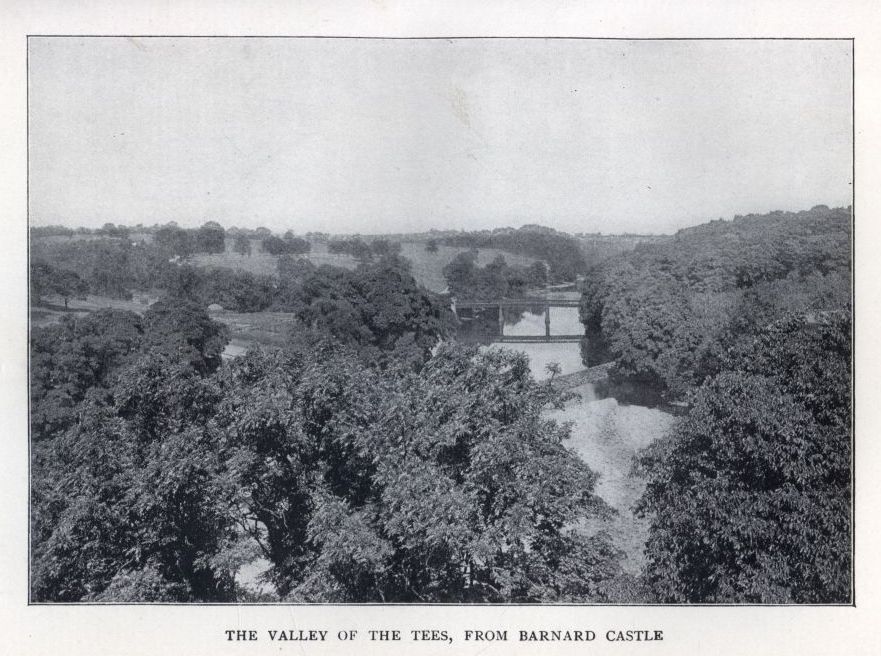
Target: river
606, 433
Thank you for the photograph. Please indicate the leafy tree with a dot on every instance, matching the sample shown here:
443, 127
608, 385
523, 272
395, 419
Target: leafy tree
561, 251
664, 312
431, 246
429, 486
356, 247
242, 245
129, 503
110, 230
749, 498
236, 290
182, 330
384, 247
378, 308
47, 279
210, 238
290, 245
466, 280
175, 241
75, 358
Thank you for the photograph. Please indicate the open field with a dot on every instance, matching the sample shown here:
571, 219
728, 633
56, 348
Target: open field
427, 267
53, 308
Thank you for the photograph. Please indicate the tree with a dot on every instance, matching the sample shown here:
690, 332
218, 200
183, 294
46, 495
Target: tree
665, 310
242, 245
378, 308
47, 279
182, 330
210, 238
174, 241
401, 486
288, 246
749, 499
431, 246
78, 357
461, 273
129, 503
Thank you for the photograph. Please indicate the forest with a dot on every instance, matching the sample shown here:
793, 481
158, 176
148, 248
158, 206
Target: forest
747, 325
159, 470
369, 456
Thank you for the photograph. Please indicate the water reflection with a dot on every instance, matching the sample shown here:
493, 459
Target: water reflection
482, 324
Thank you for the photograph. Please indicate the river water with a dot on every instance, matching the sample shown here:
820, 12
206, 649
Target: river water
606, 433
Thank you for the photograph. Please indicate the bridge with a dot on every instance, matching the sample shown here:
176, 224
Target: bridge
467, 311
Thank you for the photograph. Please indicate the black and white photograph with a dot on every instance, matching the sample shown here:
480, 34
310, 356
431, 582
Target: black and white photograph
440, 321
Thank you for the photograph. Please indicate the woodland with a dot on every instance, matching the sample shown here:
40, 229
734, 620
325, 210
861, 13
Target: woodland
372, 457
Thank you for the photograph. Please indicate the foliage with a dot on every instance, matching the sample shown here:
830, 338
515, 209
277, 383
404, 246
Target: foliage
183, 330
47, 279
401, 486
376, 308
210, 238
749, 498
128, 504
358, 483
174, 241
665, 311
466, 280
290, 245
242, 245
362, 250
111, 230
129, 501
561, 251
233, 289
110, 267
77, 357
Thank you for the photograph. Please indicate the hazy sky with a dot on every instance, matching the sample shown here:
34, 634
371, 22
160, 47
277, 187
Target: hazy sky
343, 135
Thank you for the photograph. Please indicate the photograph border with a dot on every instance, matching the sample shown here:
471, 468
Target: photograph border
549, 605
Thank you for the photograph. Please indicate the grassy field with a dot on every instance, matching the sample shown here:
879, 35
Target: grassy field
53, 308
427, 267
264, 263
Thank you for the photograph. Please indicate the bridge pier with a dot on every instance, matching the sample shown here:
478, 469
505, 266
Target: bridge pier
475, 306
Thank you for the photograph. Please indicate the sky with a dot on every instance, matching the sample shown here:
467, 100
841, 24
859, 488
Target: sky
389, 136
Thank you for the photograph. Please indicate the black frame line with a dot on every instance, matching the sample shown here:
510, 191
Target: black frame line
853, 580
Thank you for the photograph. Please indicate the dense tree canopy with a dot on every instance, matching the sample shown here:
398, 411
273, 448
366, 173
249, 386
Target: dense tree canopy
428, 486
467, 280
747, 322
750, 495
664, 311
379, 307
355, 483
210, 238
